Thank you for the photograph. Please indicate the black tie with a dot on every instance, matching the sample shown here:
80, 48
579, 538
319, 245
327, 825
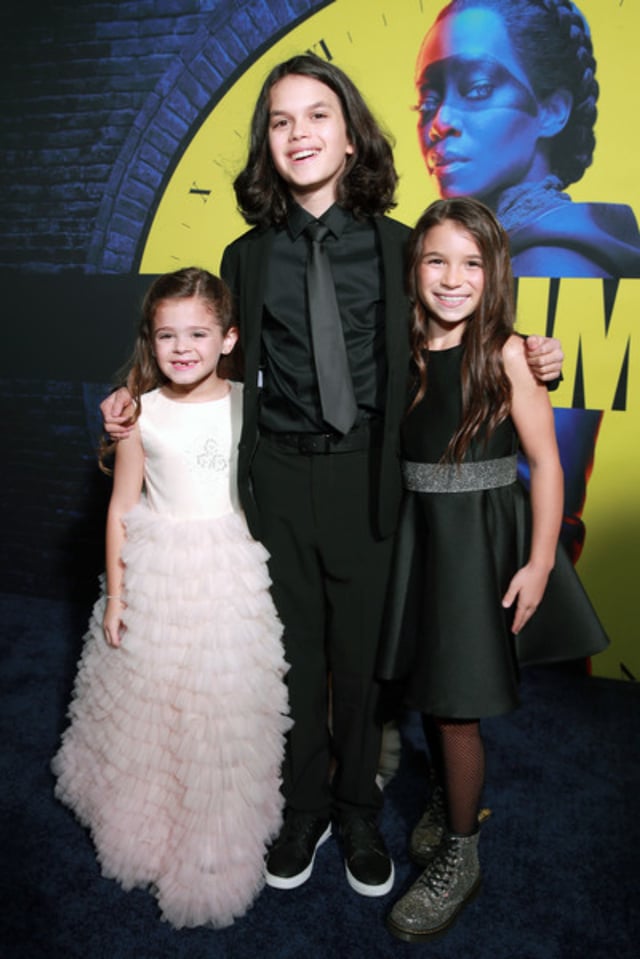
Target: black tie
339, 408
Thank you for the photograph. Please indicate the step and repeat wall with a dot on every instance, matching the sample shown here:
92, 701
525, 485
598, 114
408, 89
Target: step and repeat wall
125, 126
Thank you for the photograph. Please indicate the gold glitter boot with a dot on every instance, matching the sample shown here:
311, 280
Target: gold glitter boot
449, 882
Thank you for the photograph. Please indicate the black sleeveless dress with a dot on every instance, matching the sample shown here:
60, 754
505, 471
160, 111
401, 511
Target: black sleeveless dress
446, 634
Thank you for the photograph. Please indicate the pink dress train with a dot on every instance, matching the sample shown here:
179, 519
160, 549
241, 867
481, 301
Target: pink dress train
172, 757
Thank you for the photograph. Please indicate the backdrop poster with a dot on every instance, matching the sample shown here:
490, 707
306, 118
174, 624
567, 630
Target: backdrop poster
471, 67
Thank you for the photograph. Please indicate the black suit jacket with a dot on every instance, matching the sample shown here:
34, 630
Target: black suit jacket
244, 266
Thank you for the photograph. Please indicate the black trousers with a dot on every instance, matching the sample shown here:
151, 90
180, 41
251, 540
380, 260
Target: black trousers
329, 575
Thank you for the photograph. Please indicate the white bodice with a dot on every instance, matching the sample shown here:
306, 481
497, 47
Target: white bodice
191, 454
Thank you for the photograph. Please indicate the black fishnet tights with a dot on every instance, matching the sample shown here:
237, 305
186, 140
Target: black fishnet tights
457, 756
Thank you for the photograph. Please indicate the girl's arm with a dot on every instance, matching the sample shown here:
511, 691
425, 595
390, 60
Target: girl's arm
533, 419
127, 486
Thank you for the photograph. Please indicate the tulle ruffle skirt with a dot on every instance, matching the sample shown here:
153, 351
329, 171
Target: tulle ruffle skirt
172, 757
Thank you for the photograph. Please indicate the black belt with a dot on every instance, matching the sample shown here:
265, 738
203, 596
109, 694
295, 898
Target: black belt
360, 438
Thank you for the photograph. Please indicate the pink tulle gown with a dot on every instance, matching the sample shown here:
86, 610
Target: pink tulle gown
172, 757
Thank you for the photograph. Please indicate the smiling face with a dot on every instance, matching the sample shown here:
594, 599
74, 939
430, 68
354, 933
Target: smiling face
187, 344
450, 282
481, 128
308, 140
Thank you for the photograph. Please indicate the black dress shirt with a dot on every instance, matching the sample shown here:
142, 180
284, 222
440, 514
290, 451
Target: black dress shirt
290, 399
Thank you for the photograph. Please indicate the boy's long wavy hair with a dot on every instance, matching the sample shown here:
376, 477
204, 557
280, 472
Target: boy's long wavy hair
142, 372
368, 182
486, 390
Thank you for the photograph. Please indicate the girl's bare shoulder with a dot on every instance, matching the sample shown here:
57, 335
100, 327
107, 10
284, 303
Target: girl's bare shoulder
514, 348
514, 357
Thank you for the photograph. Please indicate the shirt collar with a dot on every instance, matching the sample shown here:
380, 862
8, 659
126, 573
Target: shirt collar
336, 218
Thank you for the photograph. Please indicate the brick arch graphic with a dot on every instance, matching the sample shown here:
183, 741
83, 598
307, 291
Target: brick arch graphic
234, 37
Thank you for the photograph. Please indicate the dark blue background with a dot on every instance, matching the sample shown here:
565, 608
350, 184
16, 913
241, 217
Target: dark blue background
98, 102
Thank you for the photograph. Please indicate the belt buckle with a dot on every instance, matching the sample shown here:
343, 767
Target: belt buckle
315, 443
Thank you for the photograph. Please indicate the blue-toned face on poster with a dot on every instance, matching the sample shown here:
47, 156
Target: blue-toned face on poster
507, 106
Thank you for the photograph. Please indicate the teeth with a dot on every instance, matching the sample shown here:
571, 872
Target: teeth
303, 154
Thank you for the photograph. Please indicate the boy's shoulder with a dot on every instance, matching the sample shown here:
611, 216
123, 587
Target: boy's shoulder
392, 228
393, 236
392, 224
248, 237
240, 252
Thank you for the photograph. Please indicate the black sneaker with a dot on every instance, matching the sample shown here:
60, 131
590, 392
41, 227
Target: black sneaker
291, 857
367, 863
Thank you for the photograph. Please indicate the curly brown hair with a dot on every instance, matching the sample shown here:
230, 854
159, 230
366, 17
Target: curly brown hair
367, 185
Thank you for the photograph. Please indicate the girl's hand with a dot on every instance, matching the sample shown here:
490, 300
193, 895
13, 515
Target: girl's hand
527, 586
112, 622
117, 410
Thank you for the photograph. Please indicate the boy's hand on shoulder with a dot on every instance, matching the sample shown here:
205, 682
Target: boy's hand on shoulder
545, 357
117, 411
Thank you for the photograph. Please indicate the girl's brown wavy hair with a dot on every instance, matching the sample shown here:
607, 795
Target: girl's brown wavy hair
142, 373
486, 390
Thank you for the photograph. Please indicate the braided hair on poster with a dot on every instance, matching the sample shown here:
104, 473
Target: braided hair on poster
551, 38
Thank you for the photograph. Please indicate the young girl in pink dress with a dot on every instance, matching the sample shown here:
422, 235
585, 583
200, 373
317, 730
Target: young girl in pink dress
172, 758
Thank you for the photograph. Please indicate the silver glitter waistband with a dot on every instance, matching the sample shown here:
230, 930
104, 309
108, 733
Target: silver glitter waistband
459, 477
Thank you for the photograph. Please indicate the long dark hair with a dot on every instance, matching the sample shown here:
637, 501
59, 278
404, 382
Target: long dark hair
142, 372
486, 390
367, 185
551, 39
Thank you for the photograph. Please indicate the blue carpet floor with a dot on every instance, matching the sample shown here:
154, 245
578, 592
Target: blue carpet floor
560, 851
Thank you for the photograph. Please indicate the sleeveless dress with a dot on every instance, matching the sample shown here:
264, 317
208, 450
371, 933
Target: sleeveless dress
446, 634
172, 758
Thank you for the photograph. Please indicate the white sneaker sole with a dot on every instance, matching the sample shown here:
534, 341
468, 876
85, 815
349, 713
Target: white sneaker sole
366, 890
292, 882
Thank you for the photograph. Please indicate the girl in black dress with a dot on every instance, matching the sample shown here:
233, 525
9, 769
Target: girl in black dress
474, 557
